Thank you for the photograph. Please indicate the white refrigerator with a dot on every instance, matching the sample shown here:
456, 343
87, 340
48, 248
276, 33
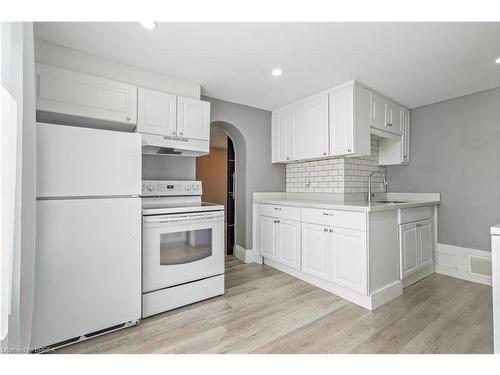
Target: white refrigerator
88, 234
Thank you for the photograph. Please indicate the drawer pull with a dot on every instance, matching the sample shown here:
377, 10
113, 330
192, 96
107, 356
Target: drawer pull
277, 208
327, 214
331, 230
326, 229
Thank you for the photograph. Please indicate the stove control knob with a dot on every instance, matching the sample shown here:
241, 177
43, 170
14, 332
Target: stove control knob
151, 187
187, 187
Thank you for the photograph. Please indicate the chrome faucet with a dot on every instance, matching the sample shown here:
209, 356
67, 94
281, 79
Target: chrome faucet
384, 178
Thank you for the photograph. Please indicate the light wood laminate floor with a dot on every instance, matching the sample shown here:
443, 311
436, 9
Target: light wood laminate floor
267, 311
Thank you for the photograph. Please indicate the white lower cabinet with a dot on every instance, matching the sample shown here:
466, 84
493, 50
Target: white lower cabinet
335, 254
315, 250
348, 261
280, 240
416, 246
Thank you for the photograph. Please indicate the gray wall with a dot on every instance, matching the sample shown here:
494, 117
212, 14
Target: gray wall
250, 131
455, 150
156, 167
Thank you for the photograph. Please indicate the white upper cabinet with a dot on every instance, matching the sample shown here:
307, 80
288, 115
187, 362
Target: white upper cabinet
309, 128
394, 120
349, 120
157, 113
340, 123
71, 93
280, 137
385, 115
378, 106
405, 141
193, 118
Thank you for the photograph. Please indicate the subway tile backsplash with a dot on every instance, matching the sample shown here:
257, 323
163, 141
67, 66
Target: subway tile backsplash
336, 175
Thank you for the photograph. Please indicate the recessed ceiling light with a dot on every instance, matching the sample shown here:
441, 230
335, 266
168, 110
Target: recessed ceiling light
276, 72
497, 60
149, 24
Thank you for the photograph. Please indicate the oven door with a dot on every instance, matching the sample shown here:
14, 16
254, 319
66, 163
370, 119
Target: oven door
180, 248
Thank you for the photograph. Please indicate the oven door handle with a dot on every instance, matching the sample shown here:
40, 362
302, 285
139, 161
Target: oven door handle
174, 218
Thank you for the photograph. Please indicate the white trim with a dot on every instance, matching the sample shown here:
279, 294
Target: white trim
371, 302
454, 261
246, 255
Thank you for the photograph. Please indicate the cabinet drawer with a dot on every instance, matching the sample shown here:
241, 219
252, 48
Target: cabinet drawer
408, 215
285, 212
344, 219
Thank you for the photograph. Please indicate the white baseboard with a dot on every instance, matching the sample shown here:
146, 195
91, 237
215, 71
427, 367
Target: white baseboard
455, 261
246, 255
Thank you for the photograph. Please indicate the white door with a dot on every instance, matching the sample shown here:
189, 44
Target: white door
394, 121
156, 112
348, 259
280, 139
342, 121
309, 129
289, 243
74, 161
425, 241
268, 237
88, 267
378, 111
193, 118
72, 93
408, 242
315, 250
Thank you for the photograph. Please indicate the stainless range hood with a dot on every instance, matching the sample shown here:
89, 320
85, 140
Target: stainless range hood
173, 146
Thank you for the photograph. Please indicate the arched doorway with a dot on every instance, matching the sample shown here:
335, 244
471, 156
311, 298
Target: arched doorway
222, 173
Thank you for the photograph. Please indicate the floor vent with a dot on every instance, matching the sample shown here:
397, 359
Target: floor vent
480, 266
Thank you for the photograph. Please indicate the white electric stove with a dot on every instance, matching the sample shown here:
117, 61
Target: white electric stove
182, 246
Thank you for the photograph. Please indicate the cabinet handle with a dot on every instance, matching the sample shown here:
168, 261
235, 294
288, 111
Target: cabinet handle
326, 229
388, 124
277, 208
277, 221
173, 133
331, 230
324, 153
349, 150
128, 118
181, 133
327, 214
287, 158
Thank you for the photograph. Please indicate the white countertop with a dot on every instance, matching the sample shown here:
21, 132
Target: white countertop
363, 206
495, 229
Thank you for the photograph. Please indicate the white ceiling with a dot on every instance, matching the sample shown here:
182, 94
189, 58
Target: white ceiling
413, 63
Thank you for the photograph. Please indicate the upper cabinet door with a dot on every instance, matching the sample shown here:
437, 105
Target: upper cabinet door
280, 137
193, 118
71, 93
309, 128
405, 142
342, 121
394, 120
156, 113
377, 111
